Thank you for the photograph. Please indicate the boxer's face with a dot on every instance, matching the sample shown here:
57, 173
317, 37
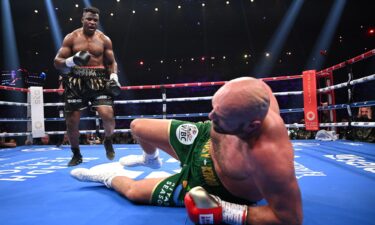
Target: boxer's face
223, 122
90, 22
231, 129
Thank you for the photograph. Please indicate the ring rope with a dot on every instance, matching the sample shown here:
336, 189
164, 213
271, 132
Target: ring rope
294, 110
341, 124
182, 115
350, 61
61, 132
14, 103
321, 90
353, 82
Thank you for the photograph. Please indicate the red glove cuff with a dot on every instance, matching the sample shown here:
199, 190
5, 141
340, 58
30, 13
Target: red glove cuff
202, 216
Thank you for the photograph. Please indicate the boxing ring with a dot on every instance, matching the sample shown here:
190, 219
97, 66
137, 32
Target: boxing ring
337, 178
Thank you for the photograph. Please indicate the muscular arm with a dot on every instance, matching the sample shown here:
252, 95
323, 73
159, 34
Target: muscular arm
64, 52
278, 185
109, 56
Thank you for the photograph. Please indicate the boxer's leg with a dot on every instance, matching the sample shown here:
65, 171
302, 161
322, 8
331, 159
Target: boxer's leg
107, 116
139, 191
151, 134
72, 125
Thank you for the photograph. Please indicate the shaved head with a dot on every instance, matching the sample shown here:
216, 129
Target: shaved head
238, 104
245, 96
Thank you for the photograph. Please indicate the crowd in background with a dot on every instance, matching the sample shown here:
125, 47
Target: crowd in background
366, 134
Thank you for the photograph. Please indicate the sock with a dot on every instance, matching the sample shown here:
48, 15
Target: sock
108, 181
153, 155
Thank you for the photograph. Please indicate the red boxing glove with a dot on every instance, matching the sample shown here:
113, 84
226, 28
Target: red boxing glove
204, 208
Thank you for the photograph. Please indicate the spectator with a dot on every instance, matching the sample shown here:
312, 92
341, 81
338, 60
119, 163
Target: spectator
4, 143
364, 133
7, 144
364, 114
303, 133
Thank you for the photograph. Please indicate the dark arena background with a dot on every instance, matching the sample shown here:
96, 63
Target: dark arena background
172, 56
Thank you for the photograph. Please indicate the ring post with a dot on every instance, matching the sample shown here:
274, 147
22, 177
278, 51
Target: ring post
164, 100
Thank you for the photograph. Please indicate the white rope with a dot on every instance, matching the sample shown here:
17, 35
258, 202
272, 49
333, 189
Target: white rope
14, 103
61, 132
161, 100
54, 104
202, 98
363, 124
288, 93
341, 124
289, 126
357, 81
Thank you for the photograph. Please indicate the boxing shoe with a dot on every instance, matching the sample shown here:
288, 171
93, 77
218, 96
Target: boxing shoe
77, 157
108, 145
86, 175
141, 160
76, 160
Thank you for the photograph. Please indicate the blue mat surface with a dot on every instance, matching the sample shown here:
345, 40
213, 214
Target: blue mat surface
337, 181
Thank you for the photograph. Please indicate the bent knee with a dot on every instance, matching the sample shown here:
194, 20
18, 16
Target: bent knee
136, 126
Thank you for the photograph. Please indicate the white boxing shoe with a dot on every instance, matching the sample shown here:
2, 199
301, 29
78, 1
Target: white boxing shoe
141, 160
86, 175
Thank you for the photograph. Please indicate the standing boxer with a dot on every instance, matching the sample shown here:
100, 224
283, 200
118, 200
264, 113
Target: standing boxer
241, 156
92, 78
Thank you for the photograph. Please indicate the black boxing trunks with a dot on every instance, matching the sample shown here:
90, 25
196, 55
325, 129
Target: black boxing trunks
85, 86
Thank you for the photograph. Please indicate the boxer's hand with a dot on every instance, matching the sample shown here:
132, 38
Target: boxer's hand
114, 77
204, 208
81, 58
113, 86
